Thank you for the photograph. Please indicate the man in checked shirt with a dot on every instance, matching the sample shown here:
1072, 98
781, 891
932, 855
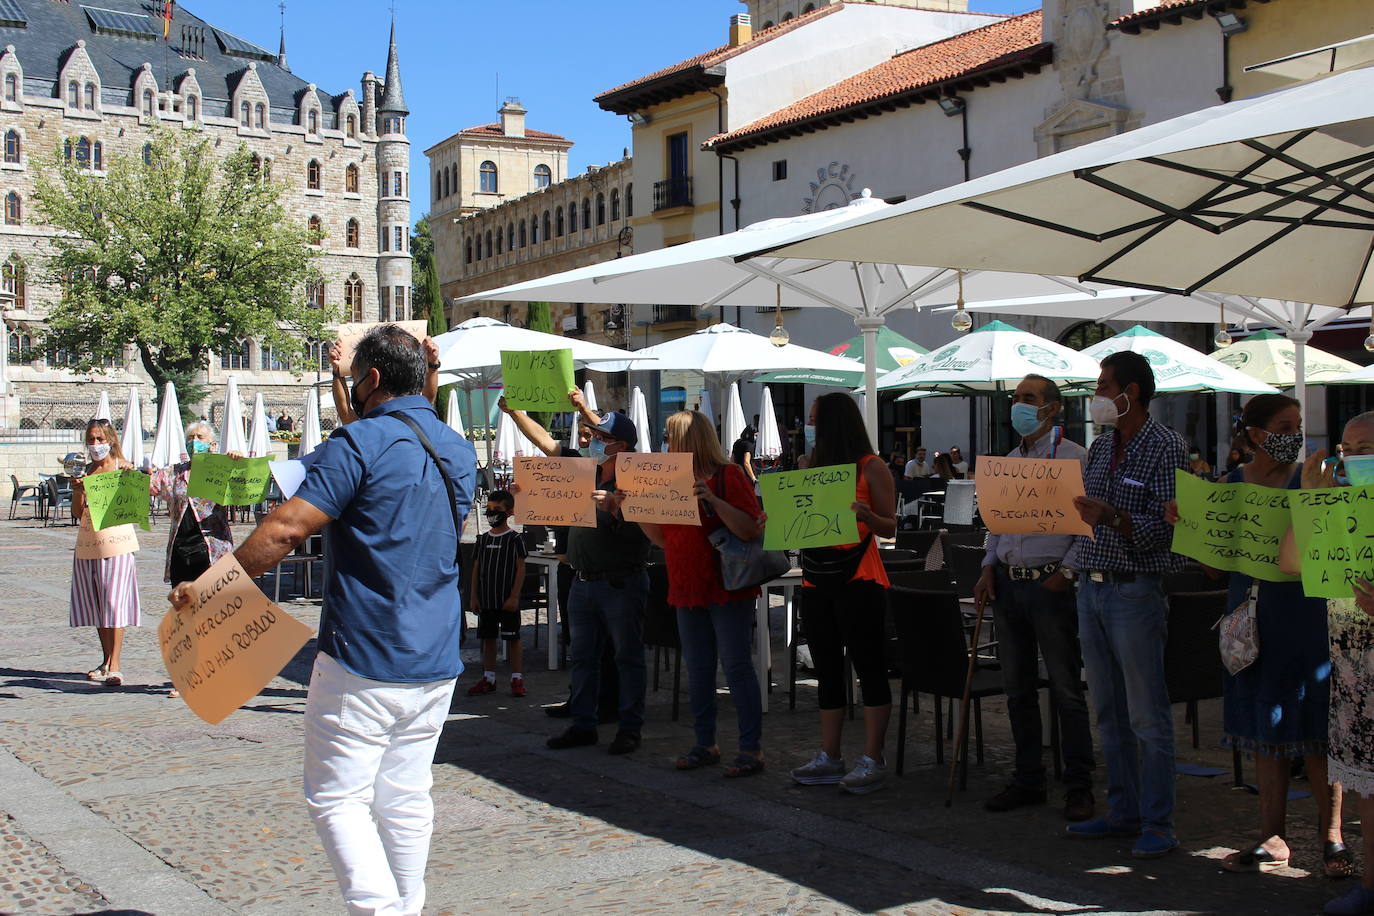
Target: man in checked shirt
1025, 576
1122, 607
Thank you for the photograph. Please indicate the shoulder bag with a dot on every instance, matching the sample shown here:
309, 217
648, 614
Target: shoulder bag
744, 564
1238, 634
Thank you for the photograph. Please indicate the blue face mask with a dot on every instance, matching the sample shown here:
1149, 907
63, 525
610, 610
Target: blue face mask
1359, 469
596, 449
809, 433
1025, 418
198, 446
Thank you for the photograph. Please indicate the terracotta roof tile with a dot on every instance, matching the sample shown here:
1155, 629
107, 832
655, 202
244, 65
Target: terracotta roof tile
494, 130
990, 47
1167, 7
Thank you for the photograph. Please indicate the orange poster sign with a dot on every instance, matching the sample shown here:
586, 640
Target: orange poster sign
350, 334
1030, 495
657, 487
108, 542
555, 491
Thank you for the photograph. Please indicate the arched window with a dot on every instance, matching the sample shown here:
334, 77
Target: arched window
572, 218
534, 230
312, 120
524, 240
245, 115
558, 222
487, 248
238, 357
97, 161
629, 200
467, 251
316, 227
13, 145
586, 213
786, 16
272, 360
312, 175
314, 295
808, 8
351, 179
192, 108
74, 94
510, 237
543, 176
453, 179
255, 164
615, 204
353, 298
768, 24
488, 177
14, 209
14, 280
352, 128
351, 233
90, 96
83, 153
260, 116
147, 154
548, 224
601, 209
500, 239
11, 87
1085, 334
147, 103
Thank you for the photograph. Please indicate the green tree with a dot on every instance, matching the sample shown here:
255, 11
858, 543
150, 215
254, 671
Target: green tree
429, 297
538, 317
180, 252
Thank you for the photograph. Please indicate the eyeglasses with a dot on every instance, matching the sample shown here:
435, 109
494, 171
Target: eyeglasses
1358, 448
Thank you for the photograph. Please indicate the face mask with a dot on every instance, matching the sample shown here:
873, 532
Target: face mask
1103, 410
1283, 447
596, 449
354, 402
98, 452
1025, 418
496, 519
1195, 455
809, 433
199, 447
1359, 469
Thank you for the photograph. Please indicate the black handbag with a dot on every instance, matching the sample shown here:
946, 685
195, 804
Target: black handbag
745, 564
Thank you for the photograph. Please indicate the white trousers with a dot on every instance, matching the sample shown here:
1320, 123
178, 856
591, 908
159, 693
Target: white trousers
369, 746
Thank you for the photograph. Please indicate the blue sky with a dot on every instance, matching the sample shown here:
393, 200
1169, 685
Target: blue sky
554, 55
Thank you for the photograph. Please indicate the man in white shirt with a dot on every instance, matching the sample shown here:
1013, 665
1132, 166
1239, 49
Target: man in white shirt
1033, 602
956, 458
917, 468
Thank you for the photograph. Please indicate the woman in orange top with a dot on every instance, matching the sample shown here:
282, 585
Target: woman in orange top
844, 601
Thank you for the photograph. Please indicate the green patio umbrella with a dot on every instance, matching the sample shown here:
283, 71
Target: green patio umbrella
894, 351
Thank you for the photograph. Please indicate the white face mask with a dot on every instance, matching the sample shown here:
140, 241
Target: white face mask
98, 452
1103, 410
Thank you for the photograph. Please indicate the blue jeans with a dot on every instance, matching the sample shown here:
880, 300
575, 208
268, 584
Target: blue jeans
725, 629
600, 610
1030, 616
1122, 629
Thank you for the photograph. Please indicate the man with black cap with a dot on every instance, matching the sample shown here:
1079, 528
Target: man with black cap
607, 599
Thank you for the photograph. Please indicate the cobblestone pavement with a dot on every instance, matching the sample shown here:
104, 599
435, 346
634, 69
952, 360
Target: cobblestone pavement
122, 801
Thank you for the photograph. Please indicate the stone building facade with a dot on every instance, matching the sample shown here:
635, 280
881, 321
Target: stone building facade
102, 79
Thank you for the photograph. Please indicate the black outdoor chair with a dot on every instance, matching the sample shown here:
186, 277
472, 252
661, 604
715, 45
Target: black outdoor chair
25, 494
964, 561
1192, 664
918, 542
660, 629
57, 495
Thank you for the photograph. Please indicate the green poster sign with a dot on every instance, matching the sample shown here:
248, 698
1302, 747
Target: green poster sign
229, 481
1232, 526
117, 498
810, 508
1335, 534
537, 379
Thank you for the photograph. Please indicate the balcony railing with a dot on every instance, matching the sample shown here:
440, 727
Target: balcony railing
673, 192
668, 314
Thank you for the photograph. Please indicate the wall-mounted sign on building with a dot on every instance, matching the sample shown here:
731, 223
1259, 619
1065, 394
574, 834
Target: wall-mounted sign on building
833, 187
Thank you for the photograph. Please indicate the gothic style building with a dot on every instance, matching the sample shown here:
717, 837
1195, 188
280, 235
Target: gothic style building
96, 80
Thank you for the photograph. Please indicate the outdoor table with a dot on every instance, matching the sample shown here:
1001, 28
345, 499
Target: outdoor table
550, 563
763, 652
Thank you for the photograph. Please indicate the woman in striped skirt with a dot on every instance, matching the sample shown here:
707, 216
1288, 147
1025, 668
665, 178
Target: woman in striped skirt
104, 590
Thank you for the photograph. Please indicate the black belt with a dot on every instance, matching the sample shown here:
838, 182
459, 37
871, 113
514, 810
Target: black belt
1108, 575
1030, 573
584, 576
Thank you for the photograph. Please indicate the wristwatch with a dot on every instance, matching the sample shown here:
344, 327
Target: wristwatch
434, 366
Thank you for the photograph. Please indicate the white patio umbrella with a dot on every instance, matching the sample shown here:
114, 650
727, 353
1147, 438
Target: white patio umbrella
769, 442
1273, 359
102, 410
131, 439
995, 357
454, 417
639, 416
1178, 367
707, 407
259, 445
588, 398
734, 353
311, 437
170, 442
511, 443
231, 436
732, 427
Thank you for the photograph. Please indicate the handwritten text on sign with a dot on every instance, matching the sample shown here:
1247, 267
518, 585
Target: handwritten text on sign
117, 498
1232, 526
811, 508
233, 642
555, 491
229, 481
657, 487
1030, 495
99, 545
350, 334
1334, 529
537, 379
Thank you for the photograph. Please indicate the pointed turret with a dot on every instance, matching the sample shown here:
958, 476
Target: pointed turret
281, 49
393, 99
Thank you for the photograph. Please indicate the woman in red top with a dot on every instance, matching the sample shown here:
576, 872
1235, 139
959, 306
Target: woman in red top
844, 601
710, 620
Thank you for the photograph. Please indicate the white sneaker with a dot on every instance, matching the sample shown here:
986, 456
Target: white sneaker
868, 776
821, 771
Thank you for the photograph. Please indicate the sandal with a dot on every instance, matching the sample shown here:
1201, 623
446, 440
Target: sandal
697, 758
1337, 862
96, 674
1251, 861
114, 679
744, 765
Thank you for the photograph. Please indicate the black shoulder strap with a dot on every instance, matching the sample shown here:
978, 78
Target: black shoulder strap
448, 482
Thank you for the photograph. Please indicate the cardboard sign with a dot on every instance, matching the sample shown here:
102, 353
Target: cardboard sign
229, 481
1030, 495
99, 545
657, 488
537, 379
1233, 526
289, 475
232, 643
810, 508
1334, 529
555, 491
117, 498
349, 335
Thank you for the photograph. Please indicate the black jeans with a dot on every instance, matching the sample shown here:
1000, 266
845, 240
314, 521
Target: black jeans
1031, 622
848, 619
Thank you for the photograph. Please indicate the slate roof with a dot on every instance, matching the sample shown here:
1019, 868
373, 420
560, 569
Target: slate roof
1007, 49
393, 99
54, 28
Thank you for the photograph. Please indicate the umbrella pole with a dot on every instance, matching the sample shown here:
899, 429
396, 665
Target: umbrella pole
868, 325
1300, 337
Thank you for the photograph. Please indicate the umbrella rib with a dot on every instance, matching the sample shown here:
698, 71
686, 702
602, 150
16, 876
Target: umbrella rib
1304, 194
1145, 201
1269, 218
1322, 172
1364, 271
791, 284
1032, 220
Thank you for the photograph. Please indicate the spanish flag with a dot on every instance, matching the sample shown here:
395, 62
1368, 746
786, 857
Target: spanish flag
167, 19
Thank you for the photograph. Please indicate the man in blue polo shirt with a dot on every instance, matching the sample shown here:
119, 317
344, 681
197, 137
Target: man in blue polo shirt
380, 690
